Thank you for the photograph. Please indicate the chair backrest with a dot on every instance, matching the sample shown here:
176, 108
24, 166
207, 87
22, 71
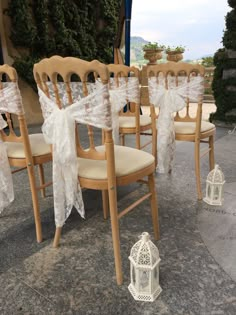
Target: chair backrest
119, 72
67, 81
11, 104
173, 74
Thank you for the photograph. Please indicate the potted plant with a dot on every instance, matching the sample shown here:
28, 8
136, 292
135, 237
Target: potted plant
175, 53
153, 52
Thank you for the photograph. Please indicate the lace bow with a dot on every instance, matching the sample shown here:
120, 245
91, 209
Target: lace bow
120, 94
10, 101
171, 100
59, 130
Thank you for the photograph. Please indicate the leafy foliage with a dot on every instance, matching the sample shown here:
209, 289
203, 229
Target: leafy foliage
43, 28
153, 46
207, 61
177, 49
24, 66
232, 3
22, 22
224, 85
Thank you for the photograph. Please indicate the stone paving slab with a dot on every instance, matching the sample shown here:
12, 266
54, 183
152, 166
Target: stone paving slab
217, 224
79, 278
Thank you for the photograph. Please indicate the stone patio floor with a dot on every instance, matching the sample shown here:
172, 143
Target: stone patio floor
197, 248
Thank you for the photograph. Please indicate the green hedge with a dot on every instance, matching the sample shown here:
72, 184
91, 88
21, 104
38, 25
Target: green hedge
232, 3
43, 28
224, 89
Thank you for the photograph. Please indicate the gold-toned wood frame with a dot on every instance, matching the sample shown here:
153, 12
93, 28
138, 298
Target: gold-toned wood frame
28, 161
49, 69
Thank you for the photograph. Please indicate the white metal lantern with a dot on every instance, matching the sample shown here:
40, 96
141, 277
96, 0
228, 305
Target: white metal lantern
214, 187
144, 270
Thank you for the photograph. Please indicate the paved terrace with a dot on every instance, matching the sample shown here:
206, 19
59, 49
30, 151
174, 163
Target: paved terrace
197, 248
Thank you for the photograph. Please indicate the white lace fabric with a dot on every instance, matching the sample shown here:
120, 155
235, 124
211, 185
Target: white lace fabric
59, 130
11, 102
169, 101
121, 92
10, 99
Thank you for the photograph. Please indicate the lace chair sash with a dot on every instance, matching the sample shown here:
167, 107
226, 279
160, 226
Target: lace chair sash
127, 90
10, 101
59, 130
121, 93
169, 101
6, 184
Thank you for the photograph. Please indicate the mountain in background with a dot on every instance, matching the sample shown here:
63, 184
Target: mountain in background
136, 51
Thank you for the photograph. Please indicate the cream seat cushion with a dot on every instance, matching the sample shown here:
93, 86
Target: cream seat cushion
129, 122
190, 127
37, 143
127, 161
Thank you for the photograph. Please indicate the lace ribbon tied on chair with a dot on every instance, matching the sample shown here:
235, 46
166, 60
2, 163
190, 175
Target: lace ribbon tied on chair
169, 101
11, 102
121, 92
59, 130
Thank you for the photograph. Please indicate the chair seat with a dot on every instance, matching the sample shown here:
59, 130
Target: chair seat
190, 127
127, 161
38, 147
129, 122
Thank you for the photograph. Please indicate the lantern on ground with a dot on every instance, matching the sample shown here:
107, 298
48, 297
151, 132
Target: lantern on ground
214, 187
144, 270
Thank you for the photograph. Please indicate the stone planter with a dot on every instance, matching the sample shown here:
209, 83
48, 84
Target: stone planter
152, 55
174, 56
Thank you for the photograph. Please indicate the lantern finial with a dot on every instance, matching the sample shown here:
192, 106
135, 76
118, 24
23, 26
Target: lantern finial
145, 237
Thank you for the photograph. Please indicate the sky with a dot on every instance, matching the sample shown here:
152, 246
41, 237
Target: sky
196, 24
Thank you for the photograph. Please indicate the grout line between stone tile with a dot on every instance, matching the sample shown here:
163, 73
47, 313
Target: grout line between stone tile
36, 291
229, 193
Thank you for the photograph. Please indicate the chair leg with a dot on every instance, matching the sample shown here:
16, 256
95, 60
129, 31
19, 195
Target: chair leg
154, 145
197, 169
115, 234
57, 237
122, 139
34, 194
41, 179
154, 133
154, 206
138, 142
105, 204
211, 152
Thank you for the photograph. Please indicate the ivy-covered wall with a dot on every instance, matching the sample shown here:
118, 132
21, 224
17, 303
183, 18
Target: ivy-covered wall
224, 82
79, 28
